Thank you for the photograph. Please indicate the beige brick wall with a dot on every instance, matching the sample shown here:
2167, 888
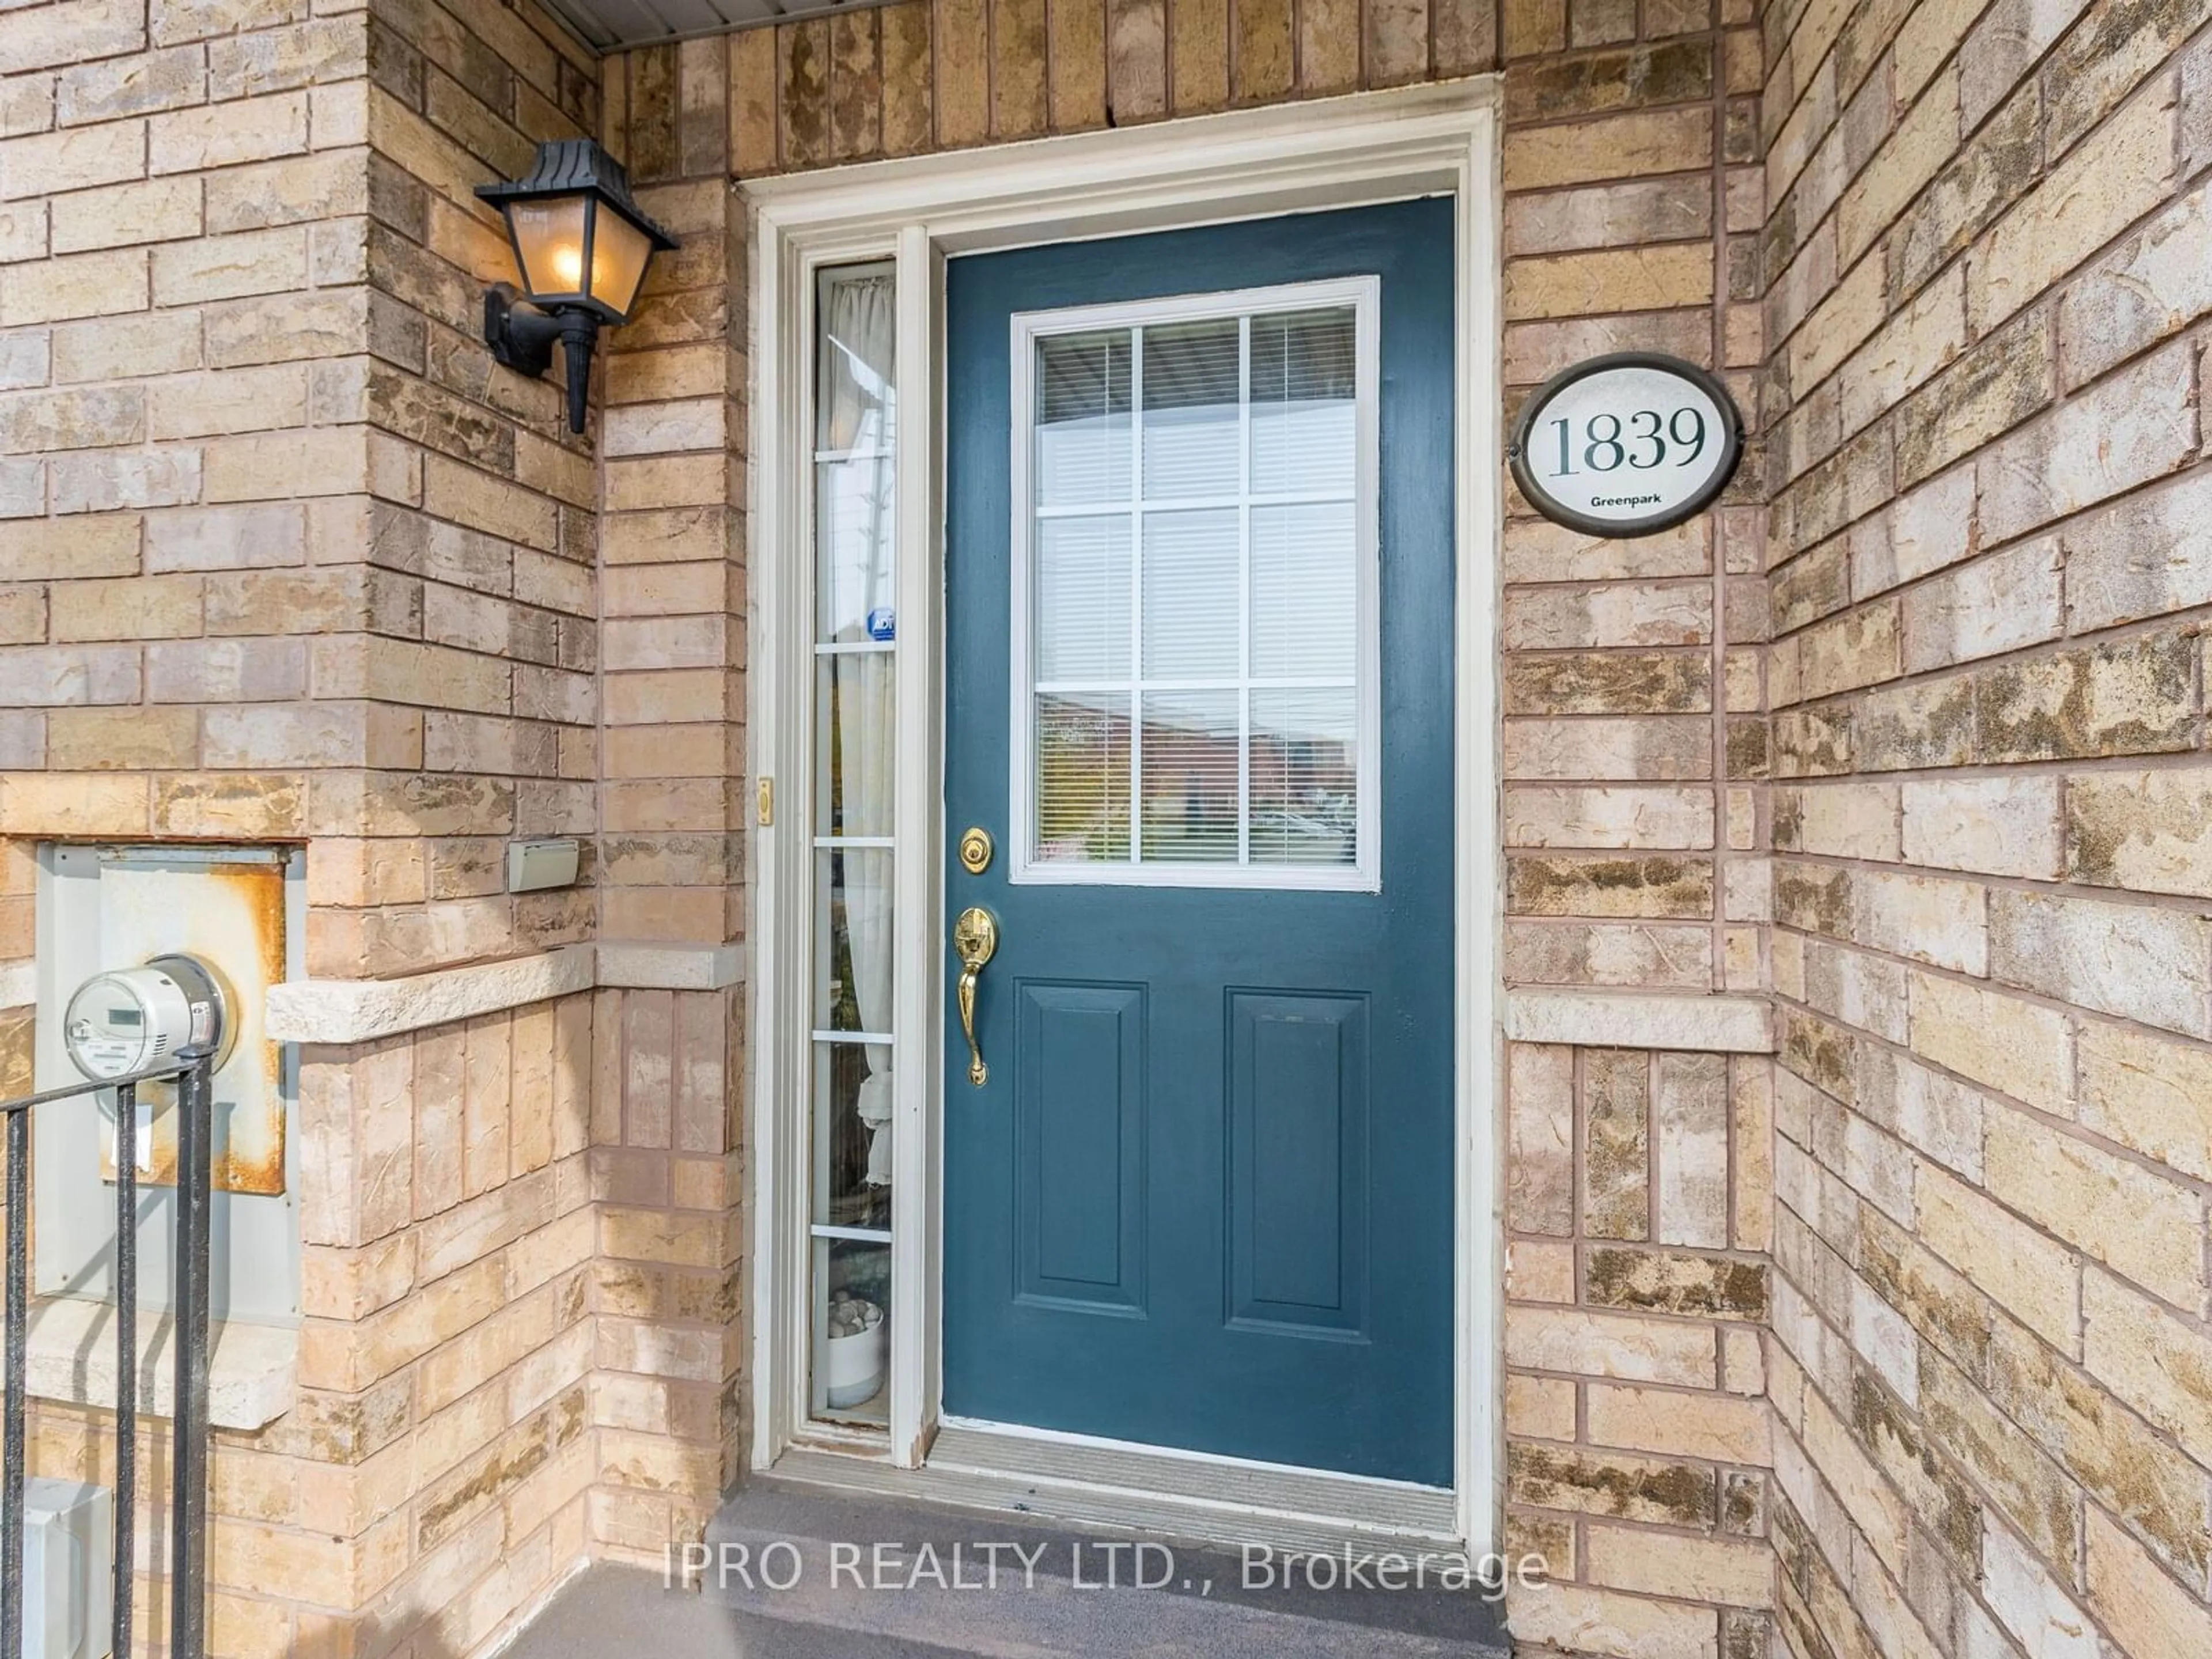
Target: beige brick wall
520, 1342
483, 503
434, 1479
447, 1281
675, 803
668, 1174
339, 580
282, 555
1636, 1414
180, 217
1635, 758
450, 600
1986, 253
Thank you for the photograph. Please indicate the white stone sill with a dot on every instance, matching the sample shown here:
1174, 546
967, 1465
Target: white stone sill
1732, 1024
348, 1011
342, 1011
252, 1370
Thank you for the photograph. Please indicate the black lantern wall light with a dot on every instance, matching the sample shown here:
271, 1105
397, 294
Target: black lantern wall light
582, 243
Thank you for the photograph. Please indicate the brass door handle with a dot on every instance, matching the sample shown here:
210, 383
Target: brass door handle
974, 939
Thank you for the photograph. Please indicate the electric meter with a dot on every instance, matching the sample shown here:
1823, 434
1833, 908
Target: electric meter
130, 1019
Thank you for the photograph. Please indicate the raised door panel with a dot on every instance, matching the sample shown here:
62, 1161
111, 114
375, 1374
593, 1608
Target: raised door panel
1298, 1126
1079, 1145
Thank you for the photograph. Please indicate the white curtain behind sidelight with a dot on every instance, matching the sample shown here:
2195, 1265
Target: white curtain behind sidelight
858, 408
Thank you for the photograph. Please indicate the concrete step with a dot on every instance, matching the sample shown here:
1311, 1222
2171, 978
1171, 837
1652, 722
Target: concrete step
1000, 1585
615, 1613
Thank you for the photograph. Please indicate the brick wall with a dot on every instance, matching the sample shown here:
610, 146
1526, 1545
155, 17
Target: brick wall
180, 218
668, 1295
674, 802
914, 77
433, 1480
1636, 1413
283, 556
341, 580
1986, 251
447, 1355
484, 511
1634, 757
675, 805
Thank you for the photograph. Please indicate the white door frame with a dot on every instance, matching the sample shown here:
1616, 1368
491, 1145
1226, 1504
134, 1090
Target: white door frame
1338, 152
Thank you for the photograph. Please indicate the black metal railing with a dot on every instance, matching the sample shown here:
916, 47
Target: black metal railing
192, 1071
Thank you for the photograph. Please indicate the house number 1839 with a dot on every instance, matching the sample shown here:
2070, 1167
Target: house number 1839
1626, 445
1606, 449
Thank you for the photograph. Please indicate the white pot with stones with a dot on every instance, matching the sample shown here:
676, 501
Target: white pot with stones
856, 1349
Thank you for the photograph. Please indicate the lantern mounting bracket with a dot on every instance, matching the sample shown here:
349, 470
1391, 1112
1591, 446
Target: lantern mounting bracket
522, 337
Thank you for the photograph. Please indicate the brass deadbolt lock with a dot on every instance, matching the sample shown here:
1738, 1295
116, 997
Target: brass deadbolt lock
975, 850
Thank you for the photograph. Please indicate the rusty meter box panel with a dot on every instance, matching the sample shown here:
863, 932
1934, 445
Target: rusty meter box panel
236, 911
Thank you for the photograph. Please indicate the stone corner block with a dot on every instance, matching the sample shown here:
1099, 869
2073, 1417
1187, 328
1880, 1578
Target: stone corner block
1639, 1019
671, 967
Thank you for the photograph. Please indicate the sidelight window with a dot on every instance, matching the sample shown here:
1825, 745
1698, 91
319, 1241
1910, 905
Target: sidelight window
1194, 594
855, 651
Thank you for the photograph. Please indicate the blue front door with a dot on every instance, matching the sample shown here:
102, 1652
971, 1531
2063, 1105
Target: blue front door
1200, 688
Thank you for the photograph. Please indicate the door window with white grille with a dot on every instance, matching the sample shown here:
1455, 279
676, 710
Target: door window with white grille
1194, 631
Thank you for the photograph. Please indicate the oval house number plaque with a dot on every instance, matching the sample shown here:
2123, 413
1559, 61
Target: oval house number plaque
1626, 444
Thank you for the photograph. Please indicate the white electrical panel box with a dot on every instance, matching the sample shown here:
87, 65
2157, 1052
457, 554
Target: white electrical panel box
69, 1582
141, 950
